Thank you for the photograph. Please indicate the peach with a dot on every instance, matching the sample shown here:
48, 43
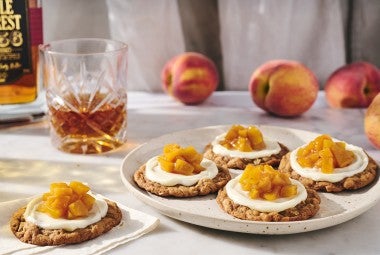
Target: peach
372, 122
353, 85
283, 87
190, 78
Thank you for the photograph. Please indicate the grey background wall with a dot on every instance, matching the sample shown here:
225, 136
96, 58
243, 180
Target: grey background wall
75, 18
322, 34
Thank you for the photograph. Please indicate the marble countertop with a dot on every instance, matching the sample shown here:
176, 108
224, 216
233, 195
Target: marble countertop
29, 163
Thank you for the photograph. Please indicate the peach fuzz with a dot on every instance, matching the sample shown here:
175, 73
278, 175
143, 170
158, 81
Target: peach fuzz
283, 87
190, 78
372, 122
353, 85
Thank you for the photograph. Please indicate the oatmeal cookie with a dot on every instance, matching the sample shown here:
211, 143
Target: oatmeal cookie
202, 187
354, 182
30, 233
302, 211
241, 163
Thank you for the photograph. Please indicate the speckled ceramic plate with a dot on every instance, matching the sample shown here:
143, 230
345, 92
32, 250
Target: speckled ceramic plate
204, 211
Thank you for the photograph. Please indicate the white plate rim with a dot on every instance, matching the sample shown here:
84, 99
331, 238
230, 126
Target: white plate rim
232, 224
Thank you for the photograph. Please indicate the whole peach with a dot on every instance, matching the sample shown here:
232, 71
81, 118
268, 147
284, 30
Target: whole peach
283, 87
353, 85
372, 122
190, 77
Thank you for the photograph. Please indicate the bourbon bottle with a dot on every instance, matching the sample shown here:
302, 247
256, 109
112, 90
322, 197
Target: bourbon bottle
20, 35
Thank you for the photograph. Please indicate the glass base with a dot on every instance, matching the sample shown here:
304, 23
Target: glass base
92, 145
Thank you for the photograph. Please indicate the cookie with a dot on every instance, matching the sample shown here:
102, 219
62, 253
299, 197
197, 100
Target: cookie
202, 187
354, 182
302, 211
30, 233
241, 163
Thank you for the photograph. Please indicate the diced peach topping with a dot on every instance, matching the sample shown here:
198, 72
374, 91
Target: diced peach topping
325, 154
243, 139
262, 181
179, 160
68, 201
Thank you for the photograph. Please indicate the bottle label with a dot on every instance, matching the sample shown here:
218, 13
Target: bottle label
15, 58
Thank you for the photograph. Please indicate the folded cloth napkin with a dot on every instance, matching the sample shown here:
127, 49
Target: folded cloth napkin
134, 224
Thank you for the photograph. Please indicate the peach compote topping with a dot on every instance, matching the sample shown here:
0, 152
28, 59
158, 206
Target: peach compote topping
325, 154
68, 201
179, 160
262, 181
243, 139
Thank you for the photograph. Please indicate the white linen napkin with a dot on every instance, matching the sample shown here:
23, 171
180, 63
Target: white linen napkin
134, 224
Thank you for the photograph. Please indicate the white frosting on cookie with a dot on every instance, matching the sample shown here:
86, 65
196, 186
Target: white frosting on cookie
359, 165
154, 172
43, 220
272, 147
241, 197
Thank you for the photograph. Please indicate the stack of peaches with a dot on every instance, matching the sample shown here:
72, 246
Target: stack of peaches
282, 88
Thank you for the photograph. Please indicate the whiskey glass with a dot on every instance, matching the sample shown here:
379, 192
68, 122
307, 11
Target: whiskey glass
86, 93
